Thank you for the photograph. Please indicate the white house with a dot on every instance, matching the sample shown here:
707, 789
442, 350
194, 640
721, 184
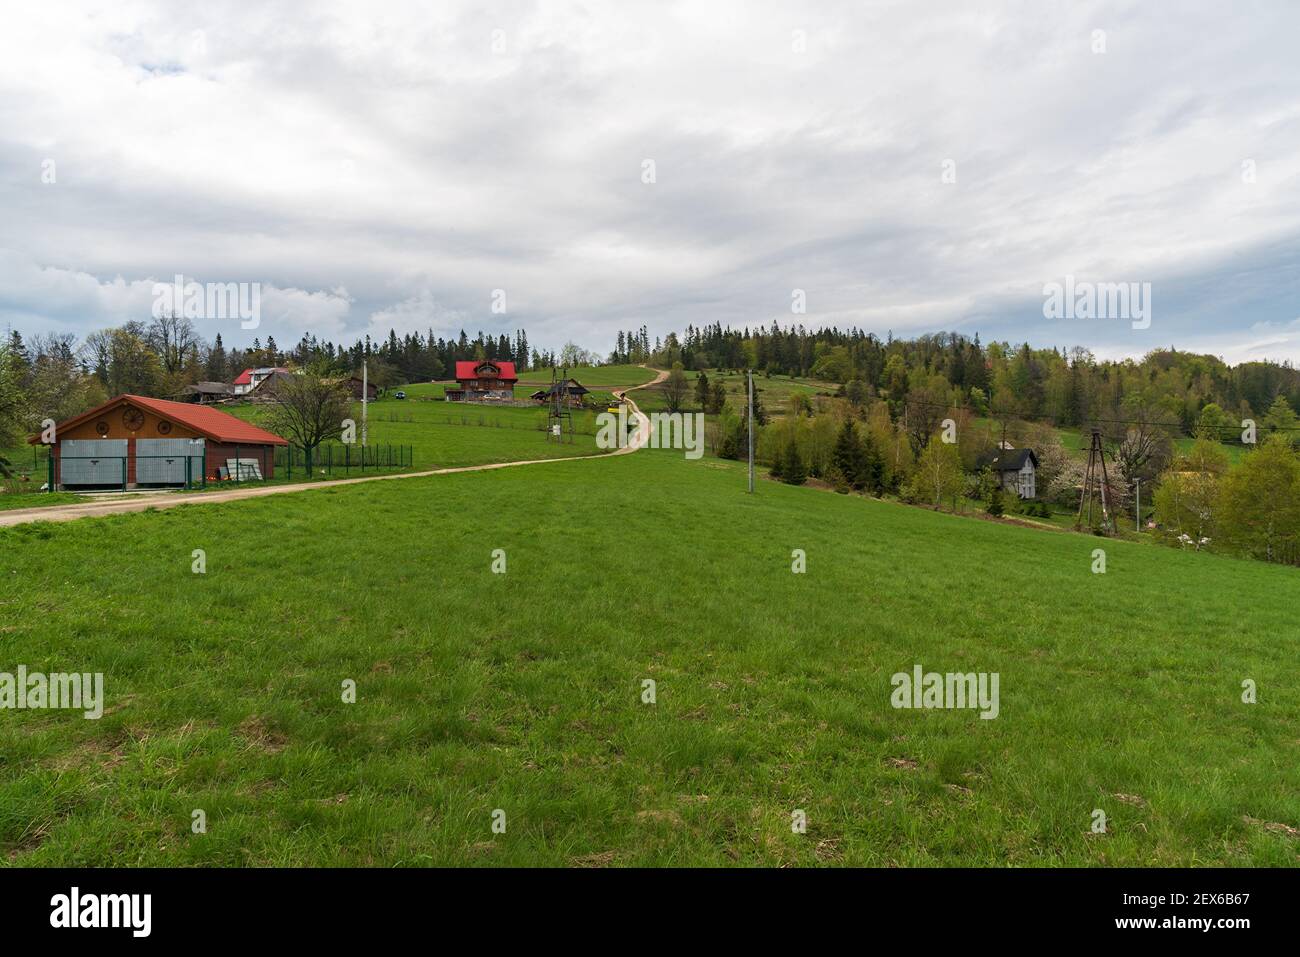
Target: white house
250, 379
1015, 469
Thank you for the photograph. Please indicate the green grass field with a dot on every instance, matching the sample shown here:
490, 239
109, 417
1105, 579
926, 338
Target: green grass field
774, 391
451, 434
599, 379
522, 691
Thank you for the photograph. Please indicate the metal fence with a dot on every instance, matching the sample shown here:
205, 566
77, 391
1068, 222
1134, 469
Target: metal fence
336, 458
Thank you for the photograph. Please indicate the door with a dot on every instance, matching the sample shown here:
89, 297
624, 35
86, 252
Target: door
92, 462
162, 461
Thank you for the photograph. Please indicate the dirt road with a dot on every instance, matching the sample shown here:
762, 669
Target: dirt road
138, 503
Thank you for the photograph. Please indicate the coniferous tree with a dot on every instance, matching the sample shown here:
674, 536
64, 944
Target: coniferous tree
849, 457
702, 395
717, 397
217, 369
793, 470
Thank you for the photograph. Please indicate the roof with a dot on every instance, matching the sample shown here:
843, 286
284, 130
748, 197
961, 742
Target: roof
571, 386
244, 378
342, 380
271, 378
203, 419
223, 388
467, 370
1008, 460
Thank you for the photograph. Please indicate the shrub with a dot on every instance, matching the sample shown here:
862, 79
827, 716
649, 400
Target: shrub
995, 500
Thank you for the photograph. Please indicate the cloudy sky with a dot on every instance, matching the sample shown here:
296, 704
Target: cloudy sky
377, 165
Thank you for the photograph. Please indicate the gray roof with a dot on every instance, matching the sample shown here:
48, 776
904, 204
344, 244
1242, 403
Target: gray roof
1008, 460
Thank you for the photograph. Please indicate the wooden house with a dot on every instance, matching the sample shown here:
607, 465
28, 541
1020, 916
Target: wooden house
1016, 470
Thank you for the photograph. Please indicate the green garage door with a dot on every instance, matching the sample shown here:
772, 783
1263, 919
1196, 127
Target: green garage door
162, 461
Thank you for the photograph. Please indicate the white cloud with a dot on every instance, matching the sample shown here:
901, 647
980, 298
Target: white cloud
386, 149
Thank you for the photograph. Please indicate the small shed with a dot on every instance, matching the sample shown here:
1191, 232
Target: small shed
1015, 469
572, 390
209, 392
359, 387
134, 441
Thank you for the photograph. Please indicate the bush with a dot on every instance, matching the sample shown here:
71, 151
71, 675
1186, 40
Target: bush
835, 478
996, 507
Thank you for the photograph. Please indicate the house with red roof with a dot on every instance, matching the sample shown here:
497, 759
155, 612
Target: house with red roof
134, 441
485, 380
250, 379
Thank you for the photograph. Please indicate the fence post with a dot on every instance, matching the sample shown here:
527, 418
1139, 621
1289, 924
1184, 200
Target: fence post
124, 470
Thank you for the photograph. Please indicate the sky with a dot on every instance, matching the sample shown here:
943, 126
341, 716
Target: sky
575, 169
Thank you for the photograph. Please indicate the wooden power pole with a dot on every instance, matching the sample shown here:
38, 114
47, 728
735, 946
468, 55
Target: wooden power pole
1095, 483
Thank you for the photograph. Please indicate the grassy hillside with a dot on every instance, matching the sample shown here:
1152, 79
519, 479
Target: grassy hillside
447, 434
592, 376
774, 391
522, 692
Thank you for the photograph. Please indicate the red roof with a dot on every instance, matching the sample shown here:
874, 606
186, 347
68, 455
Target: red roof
465, 370
244, 378
205, 420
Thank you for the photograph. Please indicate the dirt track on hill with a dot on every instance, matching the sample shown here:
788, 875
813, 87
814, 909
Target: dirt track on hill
68, 513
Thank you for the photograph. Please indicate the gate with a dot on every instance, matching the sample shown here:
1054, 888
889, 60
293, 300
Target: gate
92, 462
163, 461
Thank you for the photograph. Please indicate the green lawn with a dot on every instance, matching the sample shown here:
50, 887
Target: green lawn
774, 391
451, 434
522, 692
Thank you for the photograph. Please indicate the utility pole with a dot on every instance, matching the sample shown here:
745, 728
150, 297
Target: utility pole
1095, 480
751, 431
365, 394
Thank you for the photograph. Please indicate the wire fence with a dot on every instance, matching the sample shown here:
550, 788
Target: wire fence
333, 458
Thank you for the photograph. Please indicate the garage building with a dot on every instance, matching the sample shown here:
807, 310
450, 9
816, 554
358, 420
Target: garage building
133, 441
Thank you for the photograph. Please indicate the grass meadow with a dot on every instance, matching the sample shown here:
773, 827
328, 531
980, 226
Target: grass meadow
523, 692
